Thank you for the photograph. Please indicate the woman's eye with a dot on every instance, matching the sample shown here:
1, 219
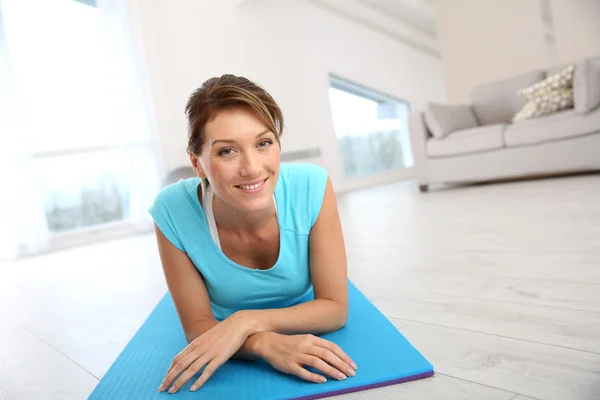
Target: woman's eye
225, 152
264, 143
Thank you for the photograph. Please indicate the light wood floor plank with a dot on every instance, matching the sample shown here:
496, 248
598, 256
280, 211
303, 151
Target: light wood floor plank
89, 312
545, 229
31, 369
568, 295
565, 328
521, 397
537, 370
436, 387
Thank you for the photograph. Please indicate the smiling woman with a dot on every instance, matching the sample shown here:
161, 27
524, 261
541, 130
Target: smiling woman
252, 248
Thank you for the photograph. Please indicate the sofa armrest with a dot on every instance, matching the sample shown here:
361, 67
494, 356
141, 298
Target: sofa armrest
443, 119
419, 134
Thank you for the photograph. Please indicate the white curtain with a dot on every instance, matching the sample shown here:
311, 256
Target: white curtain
23, 227
119, 119
136, 114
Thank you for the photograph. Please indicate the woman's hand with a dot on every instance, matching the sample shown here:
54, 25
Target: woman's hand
289, 354
211, 349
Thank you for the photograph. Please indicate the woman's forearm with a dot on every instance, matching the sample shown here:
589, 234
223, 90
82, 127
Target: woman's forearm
246, 352
316, 317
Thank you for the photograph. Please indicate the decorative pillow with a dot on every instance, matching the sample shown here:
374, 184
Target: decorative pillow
559, 80
586, 85
555, 93
546, 103
443, 119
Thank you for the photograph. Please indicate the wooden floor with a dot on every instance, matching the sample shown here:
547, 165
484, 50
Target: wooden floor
498, 286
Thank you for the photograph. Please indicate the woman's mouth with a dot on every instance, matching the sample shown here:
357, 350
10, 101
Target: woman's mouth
253, 188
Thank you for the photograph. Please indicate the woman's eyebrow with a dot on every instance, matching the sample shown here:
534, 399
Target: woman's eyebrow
233, 141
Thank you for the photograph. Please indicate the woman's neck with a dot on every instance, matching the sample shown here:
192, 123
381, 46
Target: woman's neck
235, 220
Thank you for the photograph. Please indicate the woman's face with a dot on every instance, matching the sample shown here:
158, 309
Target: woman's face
240, 157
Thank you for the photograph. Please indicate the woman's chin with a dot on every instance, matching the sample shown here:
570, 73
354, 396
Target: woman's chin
256, 204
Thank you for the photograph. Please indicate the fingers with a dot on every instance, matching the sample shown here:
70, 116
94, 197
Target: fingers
340, 366
334, 348
307, 375
188, 374
178, 368
322, 366
206, 374
180, 357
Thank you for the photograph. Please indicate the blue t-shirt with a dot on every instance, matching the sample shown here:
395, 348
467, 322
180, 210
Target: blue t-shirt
231, 287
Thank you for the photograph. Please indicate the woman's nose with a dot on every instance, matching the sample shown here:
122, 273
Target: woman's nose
250, 165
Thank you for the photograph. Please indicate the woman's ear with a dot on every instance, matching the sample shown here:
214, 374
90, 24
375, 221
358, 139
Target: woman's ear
197, 165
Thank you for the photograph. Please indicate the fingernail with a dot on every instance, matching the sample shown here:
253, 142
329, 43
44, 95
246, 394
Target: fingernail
161, 388
194, 387
341, 376
351, 372
172, 390
322, 379
354, 366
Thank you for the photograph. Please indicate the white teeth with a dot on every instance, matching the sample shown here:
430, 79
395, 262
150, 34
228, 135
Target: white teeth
251, 187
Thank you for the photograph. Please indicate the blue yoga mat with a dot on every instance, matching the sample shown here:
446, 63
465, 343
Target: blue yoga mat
383, 355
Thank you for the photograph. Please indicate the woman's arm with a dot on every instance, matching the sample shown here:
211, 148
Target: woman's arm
190, 296
329, 311
257, 333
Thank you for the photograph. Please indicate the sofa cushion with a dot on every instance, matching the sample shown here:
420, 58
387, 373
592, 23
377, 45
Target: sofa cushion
545, 103
553, 94
553, 127
497, 102
562, 79
586, 85
442, 119
474, 140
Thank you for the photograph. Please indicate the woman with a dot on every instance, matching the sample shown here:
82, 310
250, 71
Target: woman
252, 250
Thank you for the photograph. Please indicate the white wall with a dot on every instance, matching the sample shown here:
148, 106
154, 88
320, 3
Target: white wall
576, 29
481, 41
288, 47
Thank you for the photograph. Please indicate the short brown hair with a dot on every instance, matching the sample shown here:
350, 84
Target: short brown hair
228, 91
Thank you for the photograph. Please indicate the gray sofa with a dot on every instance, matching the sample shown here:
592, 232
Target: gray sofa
477, 142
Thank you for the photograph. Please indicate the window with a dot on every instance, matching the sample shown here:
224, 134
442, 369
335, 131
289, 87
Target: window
371, 129
79, 124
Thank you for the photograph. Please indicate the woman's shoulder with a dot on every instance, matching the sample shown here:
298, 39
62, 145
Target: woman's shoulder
177, 193
177, 201
302, 173
174, 211
302, 187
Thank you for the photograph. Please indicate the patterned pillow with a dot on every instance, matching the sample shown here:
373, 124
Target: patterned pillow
559, 80
555, 93
546, 103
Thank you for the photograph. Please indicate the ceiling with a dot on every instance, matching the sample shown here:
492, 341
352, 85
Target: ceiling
411, 21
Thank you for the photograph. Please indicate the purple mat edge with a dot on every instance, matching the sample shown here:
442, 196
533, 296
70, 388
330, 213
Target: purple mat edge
366, 387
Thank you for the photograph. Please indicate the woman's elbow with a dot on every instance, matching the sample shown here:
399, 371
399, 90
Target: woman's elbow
342, 316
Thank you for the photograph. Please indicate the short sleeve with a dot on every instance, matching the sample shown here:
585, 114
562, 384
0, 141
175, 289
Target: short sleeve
317, 185
160, 212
